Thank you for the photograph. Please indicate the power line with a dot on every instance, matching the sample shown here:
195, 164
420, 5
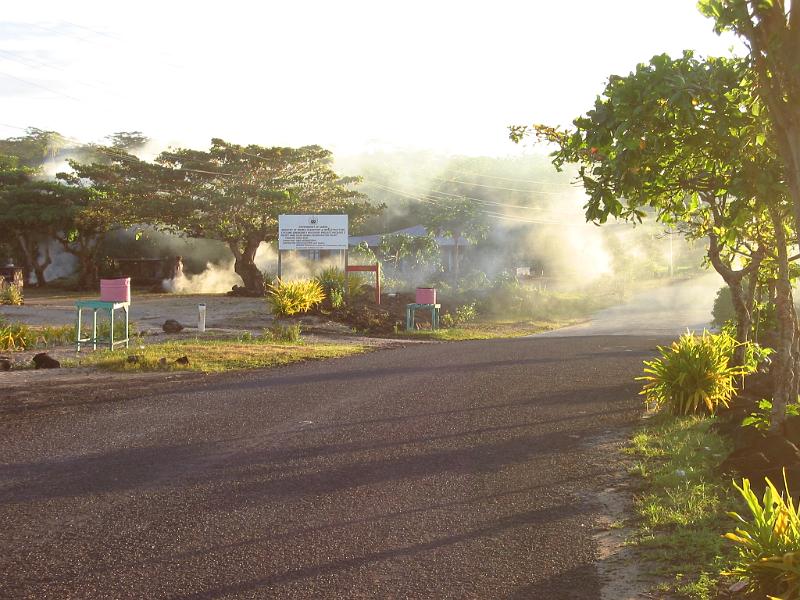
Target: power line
494, 187
514, 179
460, 196
438, 202
44, 87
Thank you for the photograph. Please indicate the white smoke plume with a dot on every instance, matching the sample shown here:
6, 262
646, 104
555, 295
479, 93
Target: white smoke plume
216, 279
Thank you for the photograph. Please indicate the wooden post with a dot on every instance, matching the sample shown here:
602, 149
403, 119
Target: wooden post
378, 283
279, 263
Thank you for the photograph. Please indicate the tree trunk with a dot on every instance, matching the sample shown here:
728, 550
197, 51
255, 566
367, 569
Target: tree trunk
784, 362
30, 251
245, 266
456, 258
743, 299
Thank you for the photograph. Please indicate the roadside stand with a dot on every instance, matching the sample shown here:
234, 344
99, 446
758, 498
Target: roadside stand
115, 295
425, 300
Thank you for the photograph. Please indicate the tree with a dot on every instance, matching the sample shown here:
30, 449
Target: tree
230, 193
458, 218
32, 211
673, 136
416, 249
771, 30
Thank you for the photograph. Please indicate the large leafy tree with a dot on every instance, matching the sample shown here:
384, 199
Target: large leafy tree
231, 193
771, 30
677, 136
32, 212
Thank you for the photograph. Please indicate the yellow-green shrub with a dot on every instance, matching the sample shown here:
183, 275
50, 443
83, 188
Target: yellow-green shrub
293, 297
11, 294
694, 375
768, 542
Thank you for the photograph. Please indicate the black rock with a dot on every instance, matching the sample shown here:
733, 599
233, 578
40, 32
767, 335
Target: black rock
132, 359
183, 360
45, 361
5, 363
162, 362
172, 326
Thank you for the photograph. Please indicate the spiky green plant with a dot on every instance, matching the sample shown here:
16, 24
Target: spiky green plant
336, 282
768, 542
694, 375
11, 294
292, 297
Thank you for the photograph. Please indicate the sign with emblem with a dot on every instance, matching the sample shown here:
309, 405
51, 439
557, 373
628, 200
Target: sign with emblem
312, 232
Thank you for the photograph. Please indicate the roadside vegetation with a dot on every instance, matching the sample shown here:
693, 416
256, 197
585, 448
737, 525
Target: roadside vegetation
213, 356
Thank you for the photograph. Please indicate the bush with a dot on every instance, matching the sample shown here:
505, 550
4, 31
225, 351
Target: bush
292, 297
762, 418
694, 375
769, 542
337, 285
14, 336
283, 333
11, 294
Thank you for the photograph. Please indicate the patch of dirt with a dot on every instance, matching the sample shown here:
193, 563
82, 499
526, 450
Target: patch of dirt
620, 568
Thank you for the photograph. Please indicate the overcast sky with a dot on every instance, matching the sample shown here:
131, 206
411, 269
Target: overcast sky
350, 75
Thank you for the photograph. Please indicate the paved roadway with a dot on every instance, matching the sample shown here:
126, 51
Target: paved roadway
437, 471
465, 470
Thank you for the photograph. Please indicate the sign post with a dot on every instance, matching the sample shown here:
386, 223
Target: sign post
311, 232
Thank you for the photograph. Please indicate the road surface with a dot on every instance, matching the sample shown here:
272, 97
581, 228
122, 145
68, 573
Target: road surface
464, 470
666, 311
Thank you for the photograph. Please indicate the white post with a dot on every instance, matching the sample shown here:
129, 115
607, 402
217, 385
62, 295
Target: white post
201, 318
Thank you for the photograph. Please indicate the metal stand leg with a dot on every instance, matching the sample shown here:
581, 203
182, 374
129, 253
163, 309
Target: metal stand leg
94, 329
127, 327
111, 336
78, 334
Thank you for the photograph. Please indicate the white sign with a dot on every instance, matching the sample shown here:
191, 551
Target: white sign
312, 232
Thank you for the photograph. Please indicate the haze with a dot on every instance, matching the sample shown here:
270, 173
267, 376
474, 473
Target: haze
352, 76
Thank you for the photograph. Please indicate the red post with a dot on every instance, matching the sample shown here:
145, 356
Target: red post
376, 268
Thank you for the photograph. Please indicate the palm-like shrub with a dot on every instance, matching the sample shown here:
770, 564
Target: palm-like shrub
337, 284
694, 375
292, 297
11, 294
768, 542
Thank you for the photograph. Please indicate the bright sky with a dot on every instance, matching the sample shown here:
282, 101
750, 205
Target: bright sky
349, 75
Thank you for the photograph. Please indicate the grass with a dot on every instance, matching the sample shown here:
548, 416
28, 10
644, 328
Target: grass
213, 356
485, 330
681, 507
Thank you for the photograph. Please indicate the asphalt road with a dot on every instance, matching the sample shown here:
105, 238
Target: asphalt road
665, 311
464, 470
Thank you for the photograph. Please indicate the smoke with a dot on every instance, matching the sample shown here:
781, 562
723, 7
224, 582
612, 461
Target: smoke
294, 266
215, 279
63, 263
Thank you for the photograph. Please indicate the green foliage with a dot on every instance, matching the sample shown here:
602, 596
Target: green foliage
410, 251
14, 336
337, 285
337, 299
283, 333
679, 503
694, 374
292, 297
761, 419
768, 542
11, 294
723, 314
